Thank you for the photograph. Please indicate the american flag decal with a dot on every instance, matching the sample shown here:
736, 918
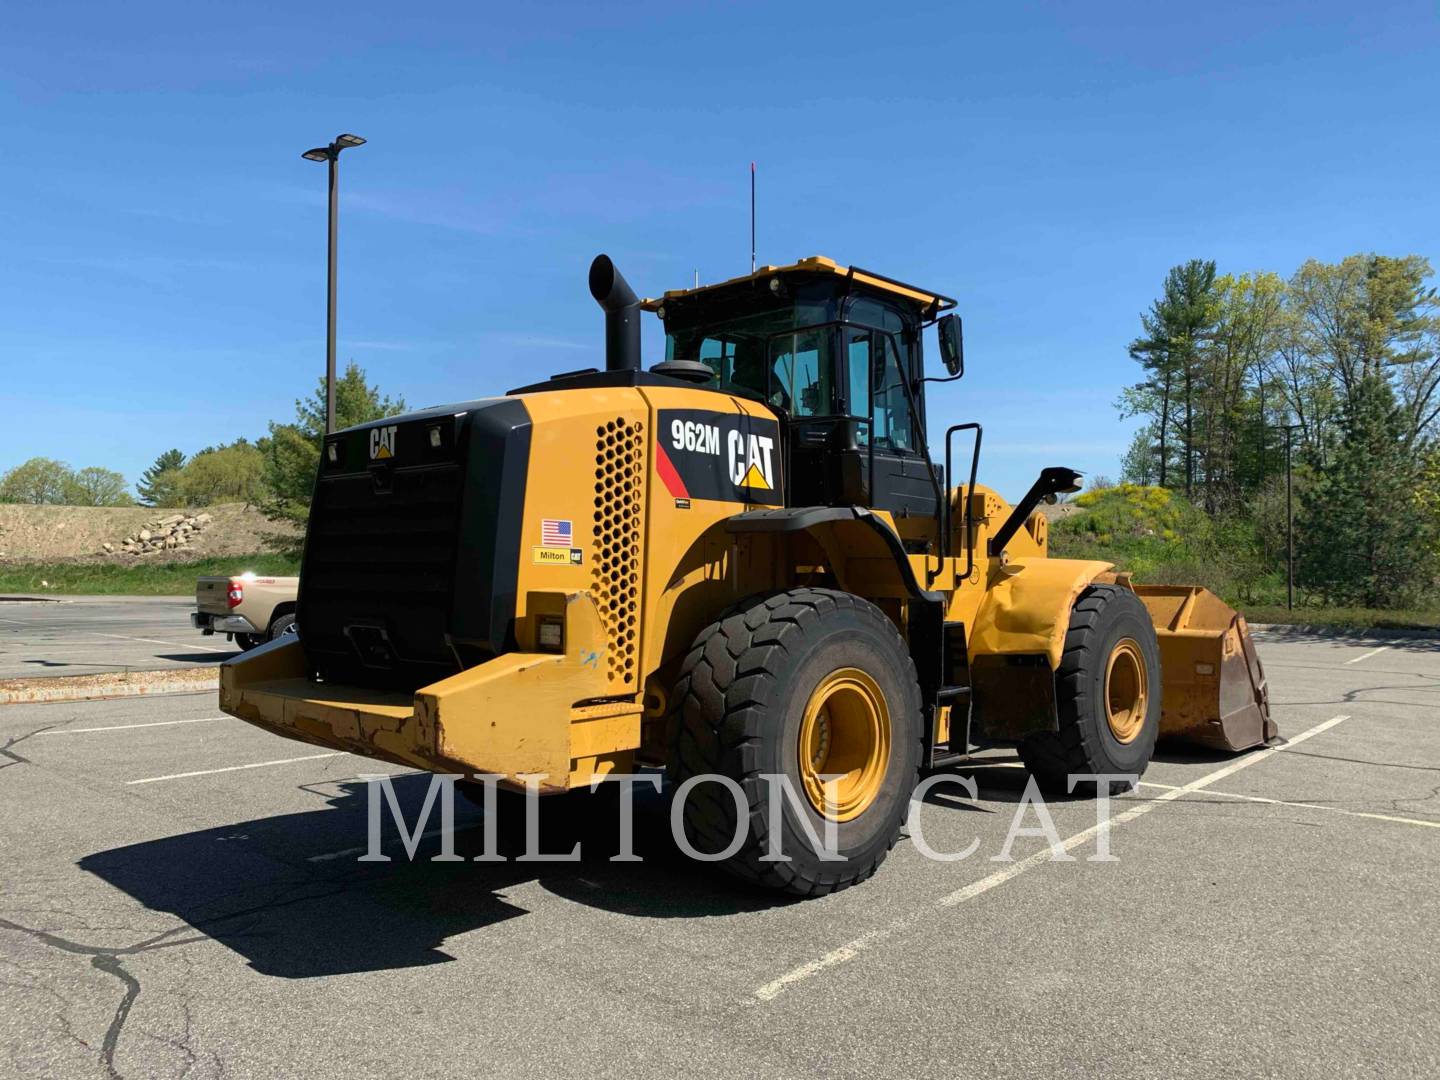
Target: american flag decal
555, 533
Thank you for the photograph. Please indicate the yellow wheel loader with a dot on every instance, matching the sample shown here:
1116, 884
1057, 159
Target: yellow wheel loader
742, 565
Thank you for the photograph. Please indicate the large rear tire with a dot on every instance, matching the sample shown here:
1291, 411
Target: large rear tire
800, 684
1107, 694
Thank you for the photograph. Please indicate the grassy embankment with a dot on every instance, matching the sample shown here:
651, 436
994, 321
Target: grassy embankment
138, 579
1151, 532
1164, 540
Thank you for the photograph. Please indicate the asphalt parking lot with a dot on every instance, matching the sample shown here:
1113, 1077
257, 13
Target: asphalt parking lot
87, 635
180, 896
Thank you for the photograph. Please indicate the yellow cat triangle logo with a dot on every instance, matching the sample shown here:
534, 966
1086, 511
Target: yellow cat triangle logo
382, 452
754, 479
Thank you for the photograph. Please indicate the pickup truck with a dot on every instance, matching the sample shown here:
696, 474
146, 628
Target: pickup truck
252, 610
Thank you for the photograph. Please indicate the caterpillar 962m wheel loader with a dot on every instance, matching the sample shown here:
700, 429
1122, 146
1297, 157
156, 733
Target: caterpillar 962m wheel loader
742, 562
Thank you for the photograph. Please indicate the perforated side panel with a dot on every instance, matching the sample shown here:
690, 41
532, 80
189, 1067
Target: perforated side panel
615, 560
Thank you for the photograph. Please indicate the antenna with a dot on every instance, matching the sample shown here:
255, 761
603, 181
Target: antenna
752, 217
697, 277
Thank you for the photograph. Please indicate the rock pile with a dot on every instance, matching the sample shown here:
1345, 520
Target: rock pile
162, 534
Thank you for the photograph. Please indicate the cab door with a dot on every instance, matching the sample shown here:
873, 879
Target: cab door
884, 467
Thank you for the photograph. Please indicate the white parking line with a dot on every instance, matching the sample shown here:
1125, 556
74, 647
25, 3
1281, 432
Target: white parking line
55, 643
128, 727
775, 987
234, 768
1309, 806
1372, 652
428, 834
172, 644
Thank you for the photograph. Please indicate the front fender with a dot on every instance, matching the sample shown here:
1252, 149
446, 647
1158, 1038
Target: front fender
1026, 610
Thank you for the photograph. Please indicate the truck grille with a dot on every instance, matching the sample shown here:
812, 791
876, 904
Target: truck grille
379, 575
412, 555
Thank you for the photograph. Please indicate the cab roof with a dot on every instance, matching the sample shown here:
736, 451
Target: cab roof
818, 264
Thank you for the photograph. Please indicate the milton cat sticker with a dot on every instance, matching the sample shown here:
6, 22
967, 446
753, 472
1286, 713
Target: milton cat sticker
725, 456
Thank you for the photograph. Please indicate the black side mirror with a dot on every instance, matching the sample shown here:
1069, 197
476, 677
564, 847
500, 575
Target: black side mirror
952, 344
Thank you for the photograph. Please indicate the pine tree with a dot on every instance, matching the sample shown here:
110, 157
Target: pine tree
1175, 331
1364, 536
158, 485
292, 452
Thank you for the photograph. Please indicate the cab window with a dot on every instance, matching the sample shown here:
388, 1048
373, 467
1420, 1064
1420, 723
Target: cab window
894, 426
857, 378
802, 373
867, 311
874, 374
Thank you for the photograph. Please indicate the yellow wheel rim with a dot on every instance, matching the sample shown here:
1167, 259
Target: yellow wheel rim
845, 735
1127, 690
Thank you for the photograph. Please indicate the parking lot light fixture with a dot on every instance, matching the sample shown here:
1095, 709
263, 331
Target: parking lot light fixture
331, 155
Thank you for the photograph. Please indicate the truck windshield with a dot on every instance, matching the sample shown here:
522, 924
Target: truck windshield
755, 356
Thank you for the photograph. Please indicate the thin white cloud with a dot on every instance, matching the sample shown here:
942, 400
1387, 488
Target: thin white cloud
536, 341
390, 346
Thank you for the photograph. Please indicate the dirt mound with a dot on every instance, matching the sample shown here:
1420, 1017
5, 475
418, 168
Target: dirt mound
76, 533
1061, 511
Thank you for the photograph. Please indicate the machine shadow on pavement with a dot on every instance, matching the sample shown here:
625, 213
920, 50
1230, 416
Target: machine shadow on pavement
257, 888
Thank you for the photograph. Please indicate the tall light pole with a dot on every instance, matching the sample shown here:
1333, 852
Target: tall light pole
331, 155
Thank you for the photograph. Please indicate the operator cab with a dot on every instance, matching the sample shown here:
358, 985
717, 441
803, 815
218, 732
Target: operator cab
836, 351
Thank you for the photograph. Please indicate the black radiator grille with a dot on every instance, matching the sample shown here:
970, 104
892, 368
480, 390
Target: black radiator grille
379, 573
413, 547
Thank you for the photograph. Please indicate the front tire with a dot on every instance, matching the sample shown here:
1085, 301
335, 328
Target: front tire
1107, 694
799, 684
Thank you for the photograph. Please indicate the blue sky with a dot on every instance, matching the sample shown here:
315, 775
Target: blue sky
162, 278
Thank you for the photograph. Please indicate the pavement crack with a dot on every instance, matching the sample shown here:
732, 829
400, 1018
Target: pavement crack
108, 961
16, 740
111, 965
1408, 805
1362, 761
181, 1044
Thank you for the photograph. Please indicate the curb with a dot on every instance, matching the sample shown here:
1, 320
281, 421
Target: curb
1325, 630
116, 684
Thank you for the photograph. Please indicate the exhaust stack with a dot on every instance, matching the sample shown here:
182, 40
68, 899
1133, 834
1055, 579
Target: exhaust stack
622, 315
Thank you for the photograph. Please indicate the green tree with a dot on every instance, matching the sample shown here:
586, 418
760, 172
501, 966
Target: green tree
159, 484
1374, 315
1363, 535
1175, 332
234, 473
39, 480
292, 452
1141, 463
96, 486
1249, 326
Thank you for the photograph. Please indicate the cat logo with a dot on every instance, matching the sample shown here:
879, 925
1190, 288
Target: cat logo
750, 461
382, 443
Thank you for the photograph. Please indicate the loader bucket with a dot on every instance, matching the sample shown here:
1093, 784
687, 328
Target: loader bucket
1214, 691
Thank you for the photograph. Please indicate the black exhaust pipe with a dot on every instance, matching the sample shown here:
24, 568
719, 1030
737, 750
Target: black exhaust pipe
622, 315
